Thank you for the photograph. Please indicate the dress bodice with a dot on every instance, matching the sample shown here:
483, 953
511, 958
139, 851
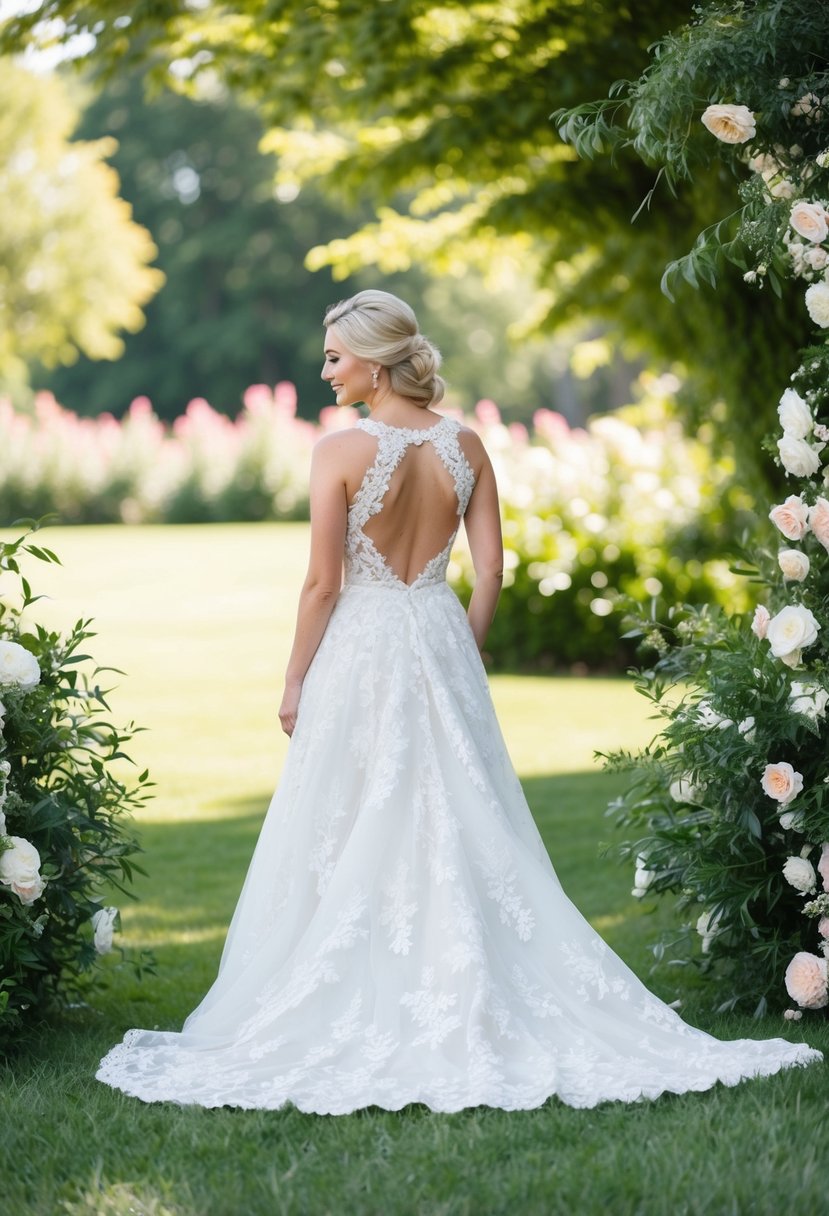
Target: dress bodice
364, 563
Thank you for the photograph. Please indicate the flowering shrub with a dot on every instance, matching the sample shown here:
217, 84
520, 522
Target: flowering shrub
594, 516
589, 515
64, 832
730, 804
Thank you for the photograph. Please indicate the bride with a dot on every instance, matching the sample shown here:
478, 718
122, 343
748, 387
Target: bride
401, 935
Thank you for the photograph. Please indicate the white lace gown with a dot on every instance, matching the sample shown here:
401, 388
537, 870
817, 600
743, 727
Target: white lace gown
401, 935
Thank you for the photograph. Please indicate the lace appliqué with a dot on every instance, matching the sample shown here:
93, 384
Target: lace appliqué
363, 561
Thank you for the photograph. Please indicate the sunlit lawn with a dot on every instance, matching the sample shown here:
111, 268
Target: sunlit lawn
200, 619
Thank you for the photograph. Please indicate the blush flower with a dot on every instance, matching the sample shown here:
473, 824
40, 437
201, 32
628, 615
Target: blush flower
760, 623
806, 981
791, 517
819, 521
730, 124
781, 782
809, 221
794, 564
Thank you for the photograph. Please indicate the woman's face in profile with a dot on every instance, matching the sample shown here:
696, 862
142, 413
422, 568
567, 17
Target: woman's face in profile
349, 377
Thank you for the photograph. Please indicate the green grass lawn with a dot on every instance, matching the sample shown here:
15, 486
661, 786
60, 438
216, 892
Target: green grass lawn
201, 620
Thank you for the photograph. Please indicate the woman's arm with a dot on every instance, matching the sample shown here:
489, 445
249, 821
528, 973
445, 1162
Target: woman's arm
329, 512
483, 529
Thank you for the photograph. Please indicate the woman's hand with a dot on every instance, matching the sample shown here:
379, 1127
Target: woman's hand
290, 705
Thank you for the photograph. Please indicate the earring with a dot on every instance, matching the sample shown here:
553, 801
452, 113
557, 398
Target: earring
374, 376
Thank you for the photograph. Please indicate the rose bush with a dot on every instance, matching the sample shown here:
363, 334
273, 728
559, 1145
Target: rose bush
65, 832
748, 854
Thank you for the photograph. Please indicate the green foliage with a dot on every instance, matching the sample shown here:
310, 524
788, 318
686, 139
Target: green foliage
631, 507
438, 116
74, 266
62, 793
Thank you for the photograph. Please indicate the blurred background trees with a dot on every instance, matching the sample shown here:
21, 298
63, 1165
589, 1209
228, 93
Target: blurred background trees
436, 117
74, 267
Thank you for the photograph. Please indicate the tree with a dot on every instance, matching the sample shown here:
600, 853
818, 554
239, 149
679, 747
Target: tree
74, 267
238, 306
439, 115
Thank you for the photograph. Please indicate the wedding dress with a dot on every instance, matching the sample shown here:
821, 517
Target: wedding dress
401, 935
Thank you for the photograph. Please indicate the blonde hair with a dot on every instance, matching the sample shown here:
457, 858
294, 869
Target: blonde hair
377, 326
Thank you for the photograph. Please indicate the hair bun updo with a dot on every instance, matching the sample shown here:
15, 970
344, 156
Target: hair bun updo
378, 326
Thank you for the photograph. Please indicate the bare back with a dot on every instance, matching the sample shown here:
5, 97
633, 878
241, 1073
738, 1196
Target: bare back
405, 510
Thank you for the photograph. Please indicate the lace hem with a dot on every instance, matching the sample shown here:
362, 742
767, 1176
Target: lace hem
573, 1089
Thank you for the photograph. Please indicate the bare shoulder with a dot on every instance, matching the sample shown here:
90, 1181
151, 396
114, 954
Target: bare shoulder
473, 448
347, 445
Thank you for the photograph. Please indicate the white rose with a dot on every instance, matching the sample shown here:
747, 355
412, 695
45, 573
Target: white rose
797, 456
793, 628
817, 304
708, 927
809, 221
809, 700
20, 870
794, 414
791, 821
708, 717
816, 257
684, 790
2, 824
18, 666
794, 564
747, 729
730, 124
103, 925
2, 716
642, 878
800, 874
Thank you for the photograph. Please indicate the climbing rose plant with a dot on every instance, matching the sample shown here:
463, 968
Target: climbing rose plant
66, 839
728, 810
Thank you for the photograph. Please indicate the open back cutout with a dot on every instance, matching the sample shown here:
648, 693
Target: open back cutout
419, 514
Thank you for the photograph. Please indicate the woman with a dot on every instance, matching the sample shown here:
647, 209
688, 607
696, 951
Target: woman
401, 935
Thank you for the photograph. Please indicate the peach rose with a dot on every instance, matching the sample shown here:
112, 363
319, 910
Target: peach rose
794, 564
781, 782
730, 124
806, 981
819, 521
791, 517
809, 221
823, 926
760, 623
